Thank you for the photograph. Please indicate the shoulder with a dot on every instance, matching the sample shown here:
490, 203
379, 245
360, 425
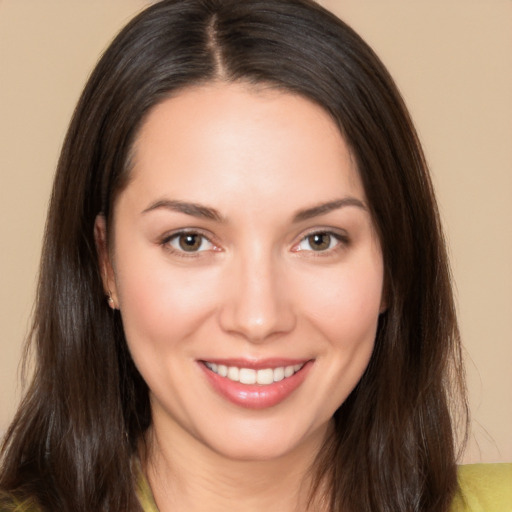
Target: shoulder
484, 488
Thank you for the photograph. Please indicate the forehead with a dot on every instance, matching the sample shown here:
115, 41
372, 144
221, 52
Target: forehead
221, 140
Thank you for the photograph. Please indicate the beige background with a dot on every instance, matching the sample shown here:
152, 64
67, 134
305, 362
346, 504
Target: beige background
452, 59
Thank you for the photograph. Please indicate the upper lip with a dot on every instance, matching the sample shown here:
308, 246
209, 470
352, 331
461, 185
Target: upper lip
257, 364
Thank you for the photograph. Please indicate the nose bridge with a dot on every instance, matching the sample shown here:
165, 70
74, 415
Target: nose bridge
257, 304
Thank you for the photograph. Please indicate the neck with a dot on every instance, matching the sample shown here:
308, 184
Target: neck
188, 476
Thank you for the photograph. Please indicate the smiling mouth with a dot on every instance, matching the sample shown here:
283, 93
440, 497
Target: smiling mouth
249, 376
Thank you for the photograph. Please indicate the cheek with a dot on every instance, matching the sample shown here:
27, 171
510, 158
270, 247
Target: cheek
161, 303
347, 306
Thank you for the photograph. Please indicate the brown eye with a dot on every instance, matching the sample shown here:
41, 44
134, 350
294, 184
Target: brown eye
319, 241
190, 242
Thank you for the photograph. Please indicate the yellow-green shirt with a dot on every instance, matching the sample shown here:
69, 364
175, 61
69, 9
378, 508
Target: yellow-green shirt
484, 488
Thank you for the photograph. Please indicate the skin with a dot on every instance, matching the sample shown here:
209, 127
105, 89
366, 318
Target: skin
256, 288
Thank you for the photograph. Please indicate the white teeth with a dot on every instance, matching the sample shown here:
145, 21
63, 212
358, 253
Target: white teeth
233, 373
288, 371
263, 377
247, 376
278, 374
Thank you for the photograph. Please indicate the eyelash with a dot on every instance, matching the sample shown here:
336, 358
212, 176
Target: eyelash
340, 240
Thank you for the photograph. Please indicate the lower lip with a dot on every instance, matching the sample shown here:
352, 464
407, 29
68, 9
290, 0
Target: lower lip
254, 396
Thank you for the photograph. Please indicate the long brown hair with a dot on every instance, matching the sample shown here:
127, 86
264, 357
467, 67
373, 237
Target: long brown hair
72, 442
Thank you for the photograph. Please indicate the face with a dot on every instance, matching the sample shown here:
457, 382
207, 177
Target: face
246, 269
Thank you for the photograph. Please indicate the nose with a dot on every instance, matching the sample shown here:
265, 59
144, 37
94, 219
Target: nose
257, 302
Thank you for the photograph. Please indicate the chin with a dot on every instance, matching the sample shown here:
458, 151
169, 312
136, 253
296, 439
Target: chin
257, 443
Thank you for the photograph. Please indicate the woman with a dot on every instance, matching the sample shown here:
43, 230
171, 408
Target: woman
244, 298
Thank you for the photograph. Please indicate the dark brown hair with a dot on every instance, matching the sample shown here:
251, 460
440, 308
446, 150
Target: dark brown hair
72, 441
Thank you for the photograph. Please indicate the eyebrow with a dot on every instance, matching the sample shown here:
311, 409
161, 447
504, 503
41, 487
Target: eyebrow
193, 209
325, 208
205, 212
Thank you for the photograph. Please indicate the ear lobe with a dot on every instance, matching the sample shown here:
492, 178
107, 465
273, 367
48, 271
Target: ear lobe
107, 271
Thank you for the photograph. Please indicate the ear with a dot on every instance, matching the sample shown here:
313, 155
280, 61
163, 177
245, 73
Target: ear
104, 262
